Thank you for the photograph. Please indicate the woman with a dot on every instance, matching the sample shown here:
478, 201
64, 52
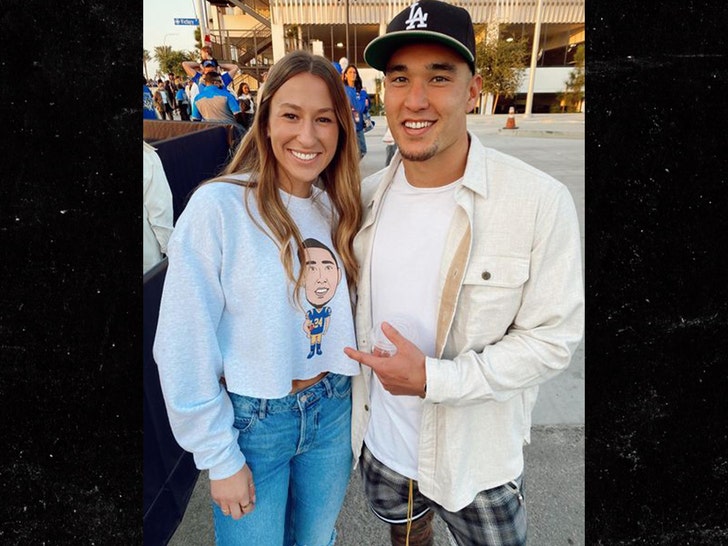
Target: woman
247, 104
359, 101
256, 311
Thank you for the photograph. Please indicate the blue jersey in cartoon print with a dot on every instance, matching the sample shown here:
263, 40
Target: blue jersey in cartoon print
321, 277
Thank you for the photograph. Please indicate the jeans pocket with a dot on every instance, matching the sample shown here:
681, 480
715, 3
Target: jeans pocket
245, 410
341, 385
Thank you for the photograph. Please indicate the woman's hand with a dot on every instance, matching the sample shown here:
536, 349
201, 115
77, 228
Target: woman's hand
235, 495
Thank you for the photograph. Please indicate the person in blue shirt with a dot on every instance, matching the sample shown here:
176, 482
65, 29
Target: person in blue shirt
196, 71
149, 111
215, 103
183, 103
359, 101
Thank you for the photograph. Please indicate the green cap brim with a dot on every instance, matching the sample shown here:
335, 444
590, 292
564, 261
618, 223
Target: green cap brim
379, 50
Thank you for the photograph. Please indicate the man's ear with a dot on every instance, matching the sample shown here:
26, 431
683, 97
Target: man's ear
474, 89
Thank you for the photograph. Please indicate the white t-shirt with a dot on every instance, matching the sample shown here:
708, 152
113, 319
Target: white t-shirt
407, 251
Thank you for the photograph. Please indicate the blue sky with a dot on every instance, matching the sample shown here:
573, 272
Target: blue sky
159, 28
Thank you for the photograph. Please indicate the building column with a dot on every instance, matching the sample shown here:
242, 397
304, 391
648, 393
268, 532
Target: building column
534, 60
279, 42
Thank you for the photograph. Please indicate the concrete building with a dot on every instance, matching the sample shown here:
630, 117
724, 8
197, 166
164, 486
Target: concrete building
255, 33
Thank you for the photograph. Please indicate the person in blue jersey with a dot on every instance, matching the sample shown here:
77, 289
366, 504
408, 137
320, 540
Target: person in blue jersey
208, 63
183, 102
216, 104
359, 101
149, 111
270, 425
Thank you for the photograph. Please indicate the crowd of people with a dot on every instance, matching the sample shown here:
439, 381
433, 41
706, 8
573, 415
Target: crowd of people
280, 268
176, 98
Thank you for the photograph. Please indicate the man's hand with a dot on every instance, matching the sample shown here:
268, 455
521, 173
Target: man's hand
235, 495
230, 68
191, 68
403, 373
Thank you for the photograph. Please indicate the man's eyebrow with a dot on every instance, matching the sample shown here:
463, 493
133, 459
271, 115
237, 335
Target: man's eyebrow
433, 67
397, 68
326, 261
442, 67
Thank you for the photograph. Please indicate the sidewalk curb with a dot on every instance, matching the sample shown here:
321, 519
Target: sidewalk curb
539, 134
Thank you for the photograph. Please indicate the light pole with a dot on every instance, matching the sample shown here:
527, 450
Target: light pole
164, 41
164, 48
347, 29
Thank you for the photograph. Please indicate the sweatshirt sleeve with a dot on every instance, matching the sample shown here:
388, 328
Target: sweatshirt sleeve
157, 198
186, 346
545, 331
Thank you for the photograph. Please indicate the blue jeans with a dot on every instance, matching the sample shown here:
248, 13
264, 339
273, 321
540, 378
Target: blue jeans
362, 143
299, 451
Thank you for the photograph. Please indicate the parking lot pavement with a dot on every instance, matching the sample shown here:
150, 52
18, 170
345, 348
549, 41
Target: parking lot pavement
554, 460
553, 483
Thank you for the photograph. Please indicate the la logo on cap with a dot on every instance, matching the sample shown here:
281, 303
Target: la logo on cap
416, 16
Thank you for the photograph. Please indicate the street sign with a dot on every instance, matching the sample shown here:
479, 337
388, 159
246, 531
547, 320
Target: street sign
180, 21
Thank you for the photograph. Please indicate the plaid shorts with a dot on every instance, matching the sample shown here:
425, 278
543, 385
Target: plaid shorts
496, 517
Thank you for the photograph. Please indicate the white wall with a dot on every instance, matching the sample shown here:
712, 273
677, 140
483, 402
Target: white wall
367, 78
549, 79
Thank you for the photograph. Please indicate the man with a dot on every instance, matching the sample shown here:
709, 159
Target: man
482, 253
183, 102
196, 71
215, 103
162, 101
158, 209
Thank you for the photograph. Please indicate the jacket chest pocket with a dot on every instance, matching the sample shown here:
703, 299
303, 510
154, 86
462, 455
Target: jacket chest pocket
491, 295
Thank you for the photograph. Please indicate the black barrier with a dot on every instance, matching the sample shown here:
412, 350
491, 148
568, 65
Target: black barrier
190, 158
169, 471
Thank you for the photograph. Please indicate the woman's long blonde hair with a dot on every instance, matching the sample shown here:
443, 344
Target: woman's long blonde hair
340, 179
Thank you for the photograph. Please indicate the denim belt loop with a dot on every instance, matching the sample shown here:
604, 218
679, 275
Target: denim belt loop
262, 408
327, 384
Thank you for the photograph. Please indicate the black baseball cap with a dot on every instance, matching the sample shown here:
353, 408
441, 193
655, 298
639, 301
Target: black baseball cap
425, 21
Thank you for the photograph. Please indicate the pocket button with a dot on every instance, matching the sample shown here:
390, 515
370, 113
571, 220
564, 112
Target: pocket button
485, 275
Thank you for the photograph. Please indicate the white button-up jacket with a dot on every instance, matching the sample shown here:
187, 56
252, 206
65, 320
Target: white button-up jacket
511, 316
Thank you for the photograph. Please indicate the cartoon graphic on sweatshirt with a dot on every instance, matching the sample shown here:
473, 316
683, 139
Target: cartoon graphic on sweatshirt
321, 277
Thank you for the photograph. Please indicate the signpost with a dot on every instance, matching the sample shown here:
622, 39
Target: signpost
188, 21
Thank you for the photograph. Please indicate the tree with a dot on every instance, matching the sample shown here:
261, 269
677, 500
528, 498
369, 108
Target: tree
501, 65
573, 97
147, 57
170, 61
198, 39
